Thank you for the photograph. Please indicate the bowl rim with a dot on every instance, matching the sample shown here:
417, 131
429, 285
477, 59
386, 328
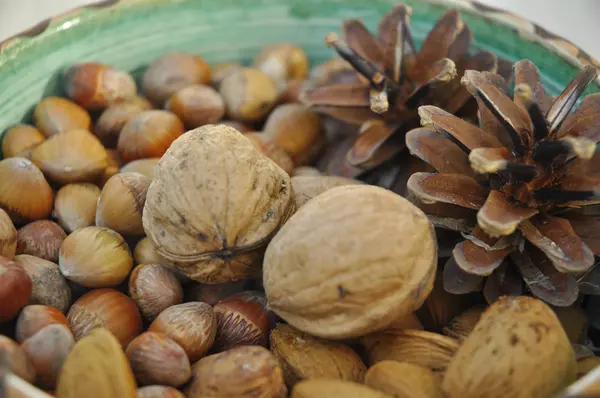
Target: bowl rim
527, 29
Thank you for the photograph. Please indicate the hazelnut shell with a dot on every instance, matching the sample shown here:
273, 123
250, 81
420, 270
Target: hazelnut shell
15, 289
36, 317
154, 289
75, 206
41, 239
50, 287
55, 115
20, 138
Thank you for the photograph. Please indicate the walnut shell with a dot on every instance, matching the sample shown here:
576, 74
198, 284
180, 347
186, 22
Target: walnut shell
307, 187
336, 243
530, 352
213, 202
302, 356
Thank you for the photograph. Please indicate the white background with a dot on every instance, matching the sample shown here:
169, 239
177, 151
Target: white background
576, 20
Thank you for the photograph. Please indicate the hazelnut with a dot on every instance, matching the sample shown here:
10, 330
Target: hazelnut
71, 156
172, 72
196, 105
41, 239
333, 226
154, 289
403, 380
55, 115
213, 293
242, 319
105, 308
159, 392
8, 236
306, 357
145, 253
239, 126
15, 358
95, 257
20, 138
75, 206
239, 372
49, 286
121, 203
282, 62
329, 71
15, 289
249, 94
148, 135
292, 91
96, 367
222, 70
111, 122
142, 166
114, 163
156, 359
19, 177
192, 325
332, 388
212, 248
271, 150
297, 130
97, 86
307, 187
47, 350
34, 318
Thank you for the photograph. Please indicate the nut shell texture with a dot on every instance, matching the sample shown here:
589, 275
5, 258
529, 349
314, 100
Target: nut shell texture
213, 201
344, 266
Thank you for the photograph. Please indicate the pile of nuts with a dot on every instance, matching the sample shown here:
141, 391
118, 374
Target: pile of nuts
180, 243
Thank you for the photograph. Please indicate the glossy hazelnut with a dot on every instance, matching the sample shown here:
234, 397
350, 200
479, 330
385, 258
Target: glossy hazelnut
47, 351
212, 294
239, 126
298, 131
34, 318
154, 289
172, 72
192, 325
196, 105
221, 70
41, 239
15, 289
121, 203
149, 135
113, 167
54, 115
282, 62
97, 86
75, 206
157, 359
71, 156
242, 319
271, 150
159, 392
111, 122
20, 138
95, 257
249, 95
8, 236
15, 359
240, 372
50, 288
142, 166
105, 308
19, 177
145, 253
292, 91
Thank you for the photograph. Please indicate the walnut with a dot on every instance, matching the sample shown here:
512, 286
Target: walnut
214, 203
351, 261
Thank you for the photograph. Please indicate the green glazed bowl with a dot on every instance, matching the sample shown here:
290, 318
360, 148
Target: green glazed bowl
129, 34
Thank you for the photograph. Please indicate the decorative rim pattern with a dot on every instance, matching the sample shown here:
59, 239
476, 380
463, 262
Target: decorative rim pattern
526, 29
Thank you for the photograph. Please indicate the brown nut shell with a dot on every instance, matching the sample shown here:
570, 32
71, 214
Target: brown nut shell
236, 178
145, 253
156, 359
142, 166
403, 380
192, 325
302, 356
108, 309
8, 236
121, 203
307, 187
197, 105
243, 371
20, 138
16, 360
525, 341
75, 206
15, 289
221, 70
154, 289
159, 392
211, 294
97, 86
332, 388
282, 62
268, 148
55, 115
41, 239
96, 367
111, 122
71, 156
50, 287
249, 94
343, 252
463, 324
36, 317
